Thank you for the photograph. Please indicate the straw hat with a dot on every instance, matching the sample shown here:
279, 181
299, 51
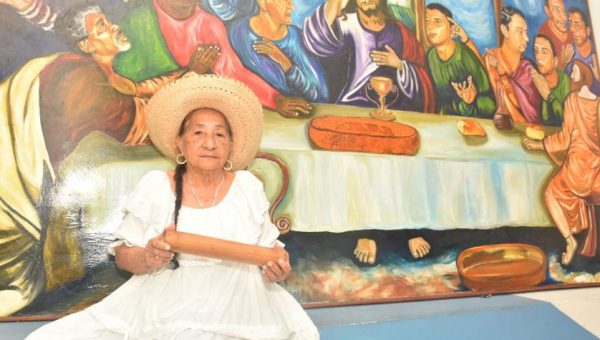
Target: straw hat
240, 106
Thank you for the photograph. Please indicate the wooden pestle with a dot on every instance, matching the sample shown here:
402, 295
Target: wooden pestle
222, 249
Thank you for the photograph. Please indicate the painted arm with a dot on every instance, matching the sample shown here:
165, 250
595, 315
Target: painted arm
230, 65
321, 38
36, 12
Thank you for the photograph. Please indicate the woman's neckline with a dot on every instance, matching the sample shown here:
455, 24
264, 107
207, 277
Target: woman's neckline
217, 204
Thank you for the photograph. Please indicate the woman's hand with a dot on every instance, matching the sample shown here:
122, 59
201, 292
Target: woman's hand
157, 252
278, 271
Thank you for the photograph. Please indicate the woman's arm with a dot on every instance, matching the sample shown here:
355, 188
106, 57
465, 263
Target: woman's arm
138, 260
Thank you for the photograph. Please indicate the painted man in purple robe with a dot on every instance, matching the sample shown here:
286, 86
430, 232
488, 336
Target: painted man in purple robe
377, 46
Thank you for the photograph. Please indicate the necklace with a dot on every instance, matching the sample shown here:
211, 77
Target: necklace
187, 181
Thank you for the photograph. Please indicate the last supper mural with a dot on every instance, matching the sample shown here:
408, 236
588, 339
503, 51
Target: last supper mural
412, 149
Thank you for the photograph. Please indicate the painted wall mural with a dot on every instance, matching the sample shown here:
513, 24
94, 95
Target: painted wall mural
412, 149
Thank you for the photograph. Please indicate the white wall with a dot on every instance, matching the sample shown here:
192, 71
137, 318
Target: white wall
595, 17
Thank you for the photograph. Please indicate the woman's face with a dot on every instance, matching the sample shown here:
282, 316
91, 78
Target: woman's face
205, 141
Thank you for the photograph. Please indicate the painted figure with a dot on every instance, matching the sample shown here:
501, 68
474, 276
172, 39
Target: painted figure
555, 29
270, 46
510, 73
576, 148
584, 48
460, 80
67, 91
552, 83
377, 46
181, 34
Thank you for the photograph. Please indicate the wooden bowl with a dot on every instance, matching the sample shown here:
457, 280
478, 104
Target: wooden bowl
362, 134
499, 267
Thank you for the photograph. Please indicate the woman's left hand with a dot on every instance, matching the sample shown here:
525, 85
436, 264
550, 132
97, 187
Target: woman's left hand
277, 271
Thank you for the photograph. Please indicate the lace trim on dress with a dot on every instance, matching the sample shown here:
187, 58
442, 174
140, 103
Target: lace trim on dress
114, 245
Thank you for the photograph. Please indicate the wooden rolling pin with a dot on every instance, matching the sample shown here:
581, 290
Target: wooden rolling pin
222, 249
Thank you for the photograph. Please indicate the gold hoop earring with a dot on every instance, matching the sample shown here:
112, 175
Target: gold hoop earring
180, 159
228, 165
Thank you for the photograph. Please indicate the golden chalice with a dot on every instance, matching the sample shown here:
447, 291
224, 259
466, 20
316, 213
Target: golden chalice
382, 86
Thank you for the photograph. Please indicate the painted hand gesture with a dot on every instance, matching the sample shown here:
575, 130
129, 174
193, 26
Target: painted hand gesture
458, 31
466, 90
532, 144
541, 84
268, 48
386, 58
567, 53
292, 107
204, 58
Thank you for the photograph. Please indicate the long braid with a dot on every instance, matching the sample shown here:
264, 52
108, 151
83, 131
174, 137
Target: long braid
179, 171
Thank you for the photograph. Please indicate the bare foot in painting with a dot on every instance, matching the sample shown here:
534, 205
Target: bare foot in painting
418, 247
366, 250
569, 253
12, 301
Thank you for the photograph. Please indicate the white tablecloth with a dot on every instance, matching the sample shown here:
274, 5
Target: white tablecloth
450, 183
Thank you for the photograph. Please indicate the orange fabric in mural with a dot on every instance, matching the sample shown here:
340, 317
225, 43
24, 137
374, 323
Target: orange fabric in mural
578, 179
75, 99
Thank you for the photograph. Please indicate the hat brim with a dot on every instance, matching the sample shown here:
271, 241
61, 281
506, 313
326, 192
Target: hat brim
240, 106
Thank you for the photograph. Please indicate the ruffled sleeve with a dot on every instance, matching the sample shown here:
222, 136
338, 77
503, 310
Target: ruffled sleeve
259, 206
148, 211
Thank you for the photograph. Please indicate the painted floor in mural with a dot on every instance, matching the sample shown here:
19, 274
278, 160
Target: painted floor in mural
325, 270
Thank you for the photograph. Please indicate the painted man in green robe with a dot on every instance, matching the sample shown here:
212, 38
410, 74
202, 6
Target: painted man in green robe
553, 84
460, 80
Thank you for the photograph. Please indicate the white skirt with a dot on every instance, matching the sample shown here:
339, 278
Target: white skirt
203, 299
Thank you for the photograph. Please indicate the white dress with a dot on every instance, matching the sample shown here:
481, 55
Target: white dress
204, 298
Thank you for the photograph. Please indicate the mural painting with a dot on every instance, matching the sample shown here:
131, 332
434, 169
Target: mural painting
412, 149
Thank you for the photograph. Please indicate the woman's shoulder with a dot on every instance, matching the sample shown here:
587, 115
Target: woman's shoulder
152, 199
249, 182
247, 177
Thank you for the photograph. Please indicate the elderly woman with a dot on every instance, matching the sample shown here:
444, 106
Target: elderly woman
212, 128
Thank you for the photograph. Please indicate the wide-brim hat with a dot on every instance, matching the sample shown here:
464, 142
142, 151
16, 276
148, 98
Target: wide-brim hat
240, 106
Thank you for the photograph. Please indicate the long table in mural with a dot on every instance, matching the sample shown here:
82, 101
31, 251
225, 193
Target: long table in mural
451, 182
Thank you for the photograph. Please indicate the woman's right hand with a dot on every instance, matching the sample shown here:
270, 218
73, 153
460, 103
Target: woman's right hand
157, 252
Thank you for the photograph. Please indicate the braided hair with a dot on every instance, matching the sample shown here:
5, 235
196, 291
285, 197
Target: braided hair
178, 177
180, 170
